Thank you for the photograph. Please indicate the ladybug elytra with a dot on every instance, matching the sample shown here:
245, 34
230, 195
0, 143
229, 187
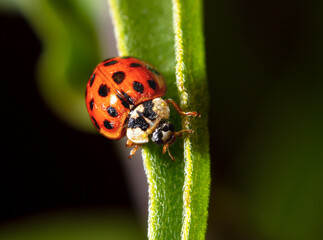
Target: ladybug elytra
123, 97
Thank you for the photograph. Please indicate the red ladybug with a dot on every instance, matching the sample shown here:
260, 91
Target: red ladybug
123, 97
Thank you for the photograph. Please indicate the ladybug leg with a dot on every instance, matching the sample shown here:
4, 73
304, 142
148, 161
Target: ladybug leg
133, 151
180, 133
175, 134
166, 147
180, 111
132, 144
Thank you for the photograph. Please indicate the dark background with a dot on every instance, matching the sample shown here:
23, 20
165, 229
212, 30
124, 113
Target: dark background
46, 164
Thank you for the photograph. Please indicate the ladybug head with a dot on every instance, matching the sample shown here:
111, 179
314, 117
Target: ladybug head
164, 133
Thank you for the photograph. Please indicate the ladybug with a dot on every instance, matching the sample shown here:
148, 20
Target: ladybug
123, 97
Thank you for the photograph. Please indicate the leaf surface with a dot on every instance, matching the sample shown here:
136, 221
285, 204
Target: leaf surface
168, 34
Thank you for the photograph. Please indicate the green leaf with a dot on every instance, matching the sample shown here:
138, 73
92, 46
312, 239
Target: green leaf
70, 52
169, 35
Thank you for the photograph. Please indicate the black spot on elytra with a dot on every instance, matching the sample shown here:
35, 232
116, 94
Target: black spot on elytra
152, 84
108, 59
110, 63
92, 79
118, 77
103, 90
95, 123
137, 86
112, 111
127, 98
91, 104
135, 65
123, 101
107, 124
148, 110
153, 70
138, 122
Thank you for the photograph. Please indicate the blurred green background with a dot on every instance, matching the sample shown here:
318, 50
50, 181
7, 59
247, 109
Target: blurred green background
61, 181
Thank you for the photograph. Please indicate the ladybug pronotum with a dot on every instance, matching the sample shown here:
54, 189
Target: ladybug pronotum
123, 97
